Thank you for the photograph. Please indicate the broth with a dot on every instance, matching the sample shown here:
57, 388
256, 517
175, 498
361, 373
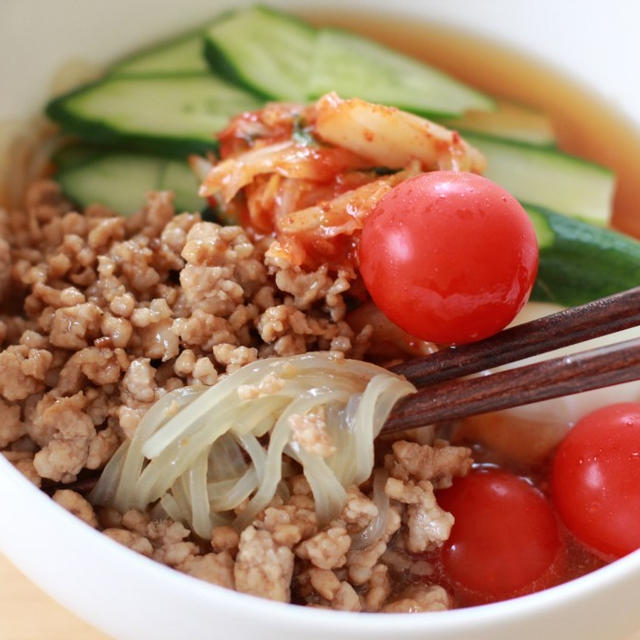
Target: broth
585, 125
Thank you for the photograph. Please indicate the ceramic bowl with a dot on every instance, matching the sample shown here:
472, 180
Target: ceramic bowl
593, 44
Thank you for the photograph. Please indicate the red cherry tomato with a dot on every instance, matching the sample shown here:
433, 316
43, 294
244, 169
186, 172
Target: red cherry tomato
596, 480
450, 257
505, 540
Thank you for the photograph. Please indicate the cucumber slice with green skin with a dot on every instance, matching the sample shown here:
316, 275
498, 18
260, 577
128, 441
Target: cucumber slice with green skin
262, 50
354, 66
174, 115
120, 180
182, 55
580, 262
548, 178
509, 121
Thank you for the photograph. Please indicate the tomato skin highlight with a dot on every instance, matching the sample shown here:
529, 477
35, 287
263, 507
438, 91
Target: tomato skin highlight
505, 541
596, 480
450, 257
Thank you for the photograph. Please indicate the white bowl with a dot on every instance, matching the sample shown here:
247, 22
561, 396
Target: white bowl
131, 597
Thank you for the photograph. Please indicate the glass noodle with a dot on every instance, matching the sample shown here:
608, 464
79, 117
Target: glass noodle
199, 454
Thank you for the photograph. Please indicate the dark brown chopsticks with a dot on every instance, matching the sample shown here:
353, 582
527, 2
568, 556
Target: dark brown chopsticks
443, 396
571, 326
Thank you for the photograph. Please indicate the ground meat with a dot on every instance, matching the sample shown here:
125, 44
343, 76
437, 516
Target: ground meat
77, 505
115, 312
73, 327
263, 567
118, 330
325, 582
361, 562
438, 463
176, 554
327, 549
166, 541
101, 448
99, 366
234, 357
138, 382
11, 427
18, 363
310, 432
323, 588
287, 321
64, 431
224, 538
204, 372
216, 568
219, 261
290, 523
346, 599
268, 385
138, 392
428, 526
379, 588
358, 511
134, 541
305, 287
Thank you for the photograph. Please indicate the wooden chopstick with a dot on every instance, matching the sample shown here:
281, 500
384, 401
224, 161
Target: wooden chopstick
443, 396
451, 400
571, 326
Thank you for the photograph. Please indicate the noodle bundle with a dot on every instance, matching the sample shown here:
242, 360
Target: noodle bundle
200, 452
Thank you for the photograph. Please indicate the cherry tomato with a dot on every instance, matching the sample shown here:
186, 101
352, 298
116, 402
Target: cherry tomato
449, 257
596, 480
505, 540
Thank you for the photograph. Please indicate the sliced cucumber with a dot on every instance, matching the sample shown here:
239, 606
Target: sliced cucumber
120, 180
182, 55
357, 67
548, 177
263, 50
180, 178
166, 115
579, 261
509, 121
280, 57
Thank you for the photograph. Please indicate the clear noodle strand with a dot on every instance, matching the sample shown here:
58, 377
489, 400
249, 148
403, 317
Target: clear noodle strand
206, 456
